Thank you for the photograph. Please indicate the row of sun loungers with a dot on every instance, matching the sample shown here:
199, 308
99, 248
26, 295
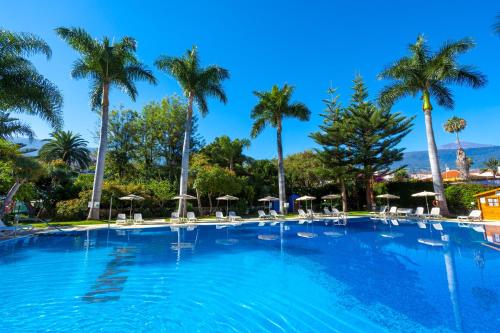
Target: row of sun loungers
394, 211
435, 213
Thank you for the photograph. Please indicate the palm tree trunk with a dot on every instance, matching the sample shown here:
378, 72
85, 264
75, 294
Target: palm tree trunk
434, 162
8, 198
281, 172
185, 155
101, 156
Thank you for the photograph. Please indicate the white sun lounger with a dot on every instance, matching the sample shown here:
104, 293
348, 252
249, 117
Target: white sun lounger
276, 215
393, 211
234, 217
382, 212
138, 218
121, 219
475, 215
191, 217
174, 217
314, 214
302, 214
419, 212
219, 216
434, 214
263, 215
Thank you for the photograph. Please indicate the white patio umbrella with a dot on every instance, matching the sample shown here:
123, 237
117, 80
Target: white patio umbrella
268, 199
387, 196
184, 197
306, 198
425, 194
331, 197
131, 198
227, 198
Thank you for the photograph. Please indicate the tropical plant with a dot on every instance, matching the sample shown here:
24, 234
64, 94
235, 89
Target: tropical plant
106, 64
373, 138
491, 165
429, 74
22, 169
227, 152
68, 147
22, 88
456, 125
331, 136
272, 108
197, 84
11, 127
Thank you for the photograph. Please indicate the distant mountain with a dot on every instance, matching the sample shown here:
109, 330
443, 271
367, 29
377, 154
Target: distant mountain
419, 160
35, 144
465, 145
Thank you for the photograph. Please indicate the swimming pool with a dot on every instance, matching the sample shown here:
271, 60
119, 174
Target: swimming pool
370, 276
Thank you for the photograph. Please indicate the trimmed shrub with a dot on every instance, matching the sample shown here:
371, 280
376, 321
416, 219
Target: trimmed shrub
460, 197
74, 209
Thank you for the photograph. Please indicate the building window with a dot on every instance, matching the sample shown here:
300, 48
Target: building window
493, 202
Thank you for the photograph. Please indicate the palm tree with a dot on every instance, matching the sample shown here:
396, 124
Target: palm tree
11, 127
491, 165
106, 64
272, 108
456, 125
429, 74
66, 146
197, 84
22, 88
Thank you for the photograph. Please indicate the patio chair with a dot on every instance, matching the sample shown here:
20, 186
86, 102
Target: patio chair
263, 215
395, 222
121, 219
276, 215
219, 216
191, 217
474, 215
138, 218
233, 217
175, 217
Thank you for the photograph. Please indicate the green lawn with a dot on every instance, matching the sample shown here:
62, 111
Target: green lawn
69, 223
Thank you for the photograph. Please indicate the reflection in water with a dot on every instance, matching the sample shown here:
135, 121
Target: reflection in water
451, 276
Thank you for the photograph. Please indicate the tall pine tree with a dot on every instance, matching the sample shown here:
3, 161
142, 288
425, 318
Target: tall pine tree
373, 136
331, 137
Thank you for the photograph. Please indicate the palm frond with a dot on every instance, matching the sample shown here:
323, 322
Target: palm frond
78, 39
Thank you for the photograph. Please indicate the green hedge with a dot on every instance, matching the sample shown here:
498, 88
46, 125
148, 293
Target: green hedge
461, 198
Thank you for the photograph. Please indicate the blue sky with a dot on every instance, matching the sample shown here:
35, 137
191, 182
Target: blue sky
309, 44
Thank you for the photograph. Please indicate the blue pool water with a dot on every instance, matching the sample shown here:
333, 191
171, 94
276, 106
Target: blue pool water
367, 277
